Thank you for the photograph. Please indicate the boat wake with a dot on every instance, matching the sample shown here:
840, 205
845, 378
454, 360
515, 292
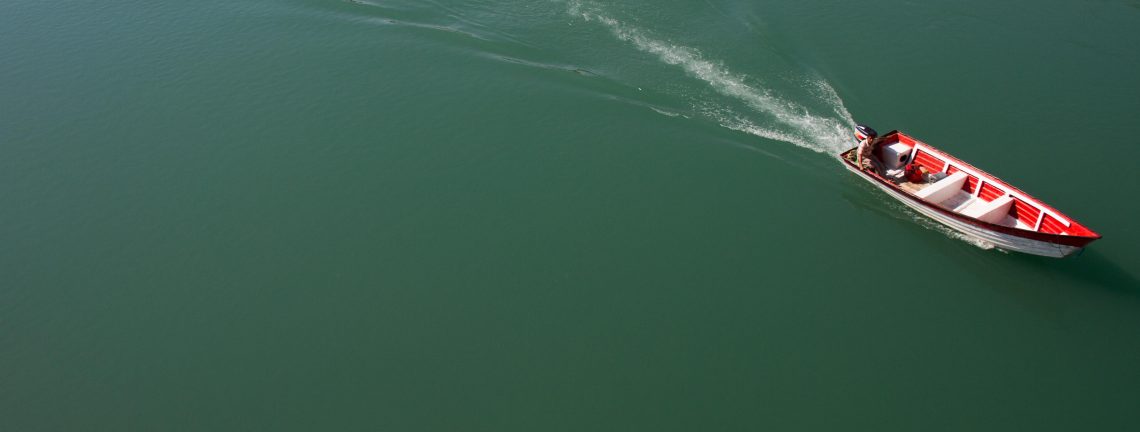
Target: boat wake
773, 116
782, 119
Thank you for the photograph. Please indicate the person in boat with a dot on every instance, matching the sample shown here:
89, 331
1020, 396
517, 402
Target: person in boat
865, 154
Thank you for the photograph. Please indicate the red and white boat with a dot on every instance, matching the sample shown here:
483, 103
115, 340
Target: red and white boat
970, 200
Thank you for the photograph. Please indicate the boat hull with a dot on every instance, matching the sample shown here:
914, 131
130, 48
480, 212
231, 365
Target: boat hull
978, 232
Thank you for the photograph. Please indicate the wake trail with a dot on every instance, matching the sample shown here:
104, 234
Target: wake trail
787, 120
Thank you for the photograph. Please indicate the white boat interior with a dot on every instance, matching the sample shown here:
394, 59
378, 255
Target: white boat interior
952, 191
948, 193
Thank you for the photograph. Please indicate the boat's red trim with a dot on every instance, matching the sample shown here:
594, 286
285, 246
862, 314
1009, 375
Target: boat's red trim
990, 192
1025, 212
927, 160
1079, 235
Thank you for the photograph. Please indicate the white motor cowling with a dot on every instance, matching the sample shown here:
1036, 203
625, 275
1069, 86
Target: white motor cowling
862, 132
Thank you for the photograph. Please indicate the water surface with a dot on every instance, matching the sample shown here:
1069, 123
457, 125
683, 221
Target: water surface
555, 215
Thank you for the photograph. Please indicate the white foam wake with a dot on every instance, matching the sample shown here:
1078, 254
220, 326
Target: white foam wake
785, 120
782, 120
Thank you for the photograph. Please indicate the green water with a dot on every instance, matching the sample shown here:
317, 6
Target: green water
507, 215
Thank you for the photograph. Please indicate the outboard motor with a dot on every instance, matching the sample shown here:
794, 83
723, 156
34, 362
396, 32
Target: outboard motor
863, 132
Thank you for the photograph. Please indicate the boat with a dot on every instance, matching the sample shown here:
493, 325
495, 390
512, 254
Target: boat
967, 199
